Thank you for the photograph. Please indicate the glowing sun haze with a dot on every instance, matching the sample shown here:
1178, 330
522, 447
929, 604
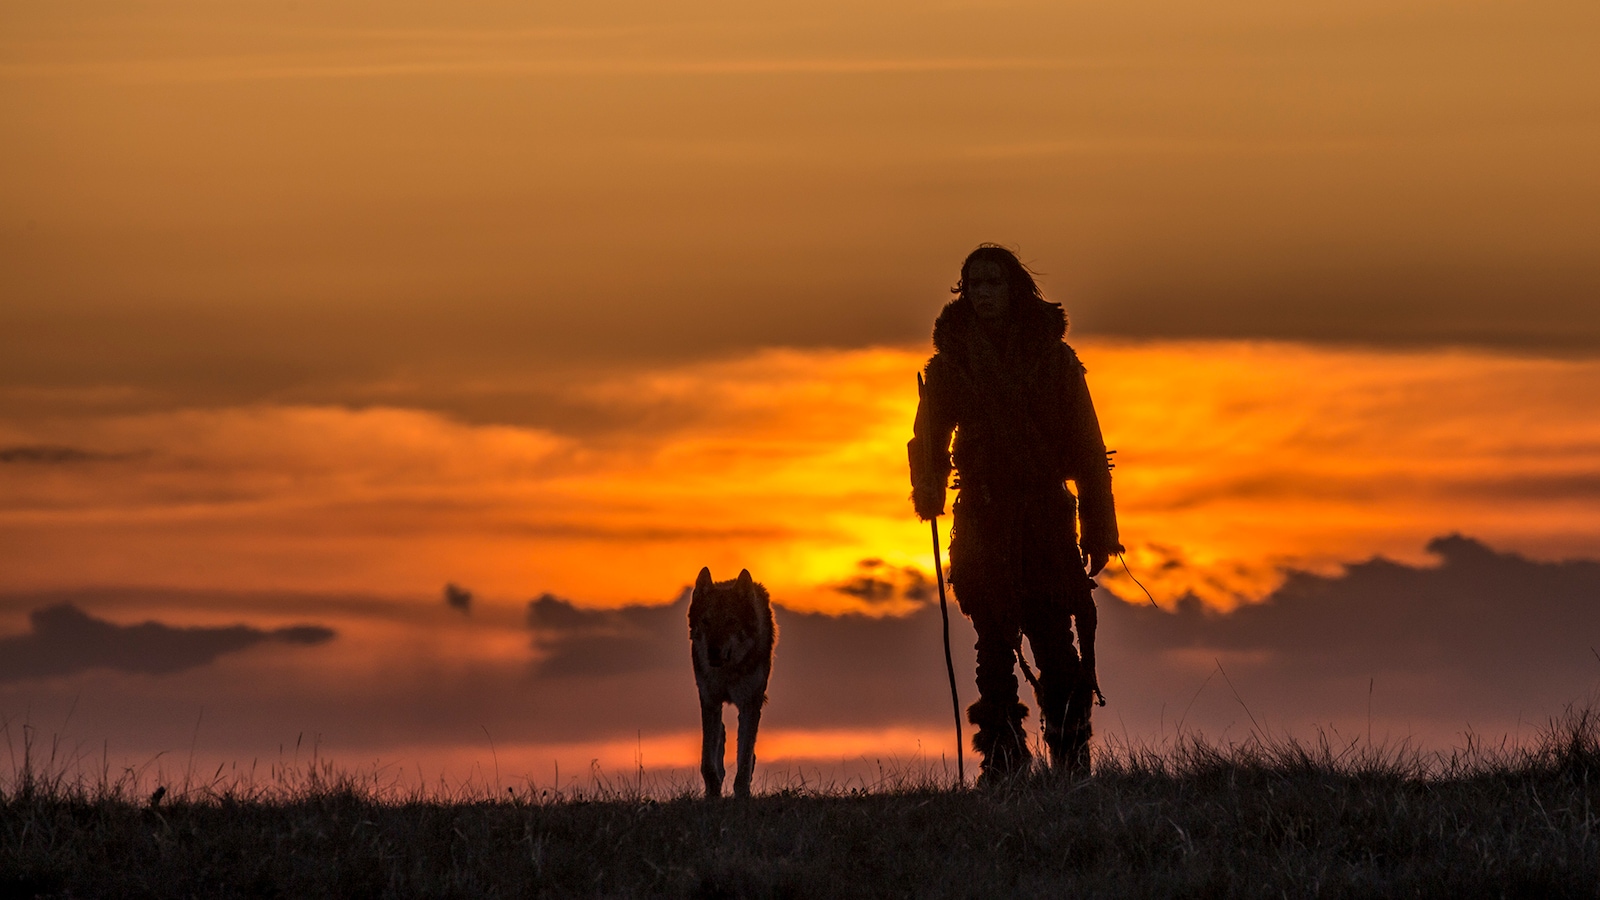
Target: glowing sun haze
1235, 460
308, 310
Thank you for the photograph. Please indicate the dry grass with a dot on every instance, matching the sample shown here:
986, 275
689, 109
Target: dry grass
1265, 818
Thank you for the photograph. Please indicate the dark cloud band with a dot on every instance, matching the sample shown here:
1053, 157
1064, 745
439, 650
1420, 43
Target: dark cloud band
65, 640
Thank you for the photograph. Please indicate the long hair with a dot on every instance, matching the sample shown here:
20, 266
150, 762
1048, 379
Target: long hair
1018, 276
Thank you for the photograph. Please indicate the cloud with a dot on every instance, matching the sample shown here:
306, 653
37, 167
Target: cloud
865, 671
794, 467
573, 642
878, 583
458, 598
51, 454
1484, 641
1479, 638
1481, 627
1523, 308
1482, 637
65, 640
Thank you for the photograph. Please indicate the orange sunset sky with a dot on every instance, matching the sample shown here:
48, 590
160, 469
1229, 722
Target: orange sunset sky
308, 309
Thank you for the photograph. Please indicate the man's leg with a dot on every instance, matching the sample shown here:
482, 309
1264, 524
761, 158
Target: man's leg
1064, 695
997, 714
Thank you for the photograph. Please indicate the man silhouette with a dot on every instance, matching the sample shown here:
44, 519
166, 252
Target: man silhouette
1013, 394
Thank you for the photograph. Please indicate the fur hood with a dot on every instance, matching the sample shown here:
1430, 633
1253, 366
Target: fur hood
1036, 322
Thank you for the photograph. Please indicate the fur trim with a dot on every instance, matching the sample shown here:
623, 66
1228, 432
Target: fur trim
1039, 320
1000, 739
985, 713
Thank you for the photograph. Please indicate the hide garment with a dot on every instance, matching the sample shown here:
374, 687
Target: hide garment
1015, 401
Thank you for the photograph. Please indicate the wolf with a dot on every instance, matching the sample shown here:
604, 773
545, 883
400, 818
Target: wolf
731, 638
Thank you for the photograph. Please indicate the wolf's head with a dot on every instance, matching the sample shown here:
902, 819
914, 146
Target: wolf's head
729, 621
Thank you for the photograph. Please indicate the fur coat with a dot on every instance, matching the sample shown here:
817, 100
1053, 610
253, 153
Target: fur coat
1023, 424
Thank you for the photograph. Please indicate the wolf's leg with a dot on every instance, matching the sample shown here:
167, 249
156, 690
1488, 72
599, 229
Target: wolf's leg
713, 738
749, 721
722, 747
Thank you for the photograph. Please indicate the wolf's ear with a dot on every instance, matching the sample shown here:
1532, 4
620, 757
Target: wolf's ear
704, 581
747, 588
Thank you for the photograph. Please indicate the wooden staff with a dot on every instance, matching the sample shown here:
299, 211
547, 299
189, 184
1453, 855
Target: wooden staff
944, 615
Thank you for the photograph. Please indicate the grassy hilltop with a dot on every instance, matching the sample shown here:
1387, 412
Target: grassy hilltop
1260, 819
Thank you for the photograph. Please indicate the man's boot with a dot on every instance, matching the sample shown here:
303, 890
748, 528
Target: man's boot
999, 739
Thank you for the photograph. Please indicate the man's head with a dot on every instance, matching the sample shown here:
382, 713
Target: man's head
993, 280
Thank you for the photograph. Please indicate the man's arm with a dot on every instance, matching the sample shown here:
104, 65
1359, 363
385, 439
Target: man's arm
1091, 473
929, 450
